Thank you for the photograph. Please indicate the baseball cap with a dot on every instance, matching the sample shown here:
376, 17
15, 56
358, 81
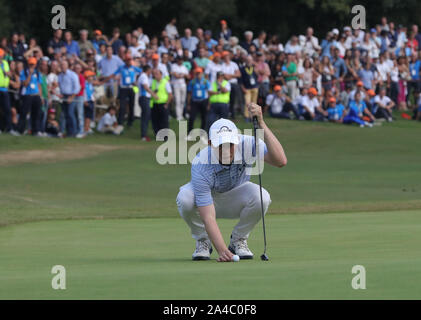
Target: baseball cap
223, 22
332, 99
277, 88
371, 92
335, 31
32, 60
98, 32
155, 56
225, 53
347, 28
373, 30
312, 91
51, 110
198, 70
89, 73
359, 83
219, 73
216, 54
223, 131
1, 52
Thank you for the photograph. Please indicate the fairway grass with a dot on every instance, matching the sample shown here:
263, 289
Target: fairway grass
311, 257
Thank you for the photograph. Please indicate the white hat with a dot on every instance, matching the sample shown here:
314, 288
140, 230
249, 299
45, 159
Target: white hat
223, 131
335, 31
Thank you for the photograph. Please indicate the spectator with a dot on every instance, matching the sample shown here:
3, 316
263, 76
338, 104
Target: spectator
311, 109
79, 101
109, 124
115, 42
232, 74
209, 42
188, 41
31, 97
160, 101
179, 75
357, 109
52, 128
219, 99
383, 106
248, 40
126, 75
197, 100
84, 44
280, 105
249, 85
107, 67
335, 111
214, 67
4, 95
291, 76
144, 101
263, 73
16, 47
171, 29
69, 85
72, 47
99, 40
202, 59
225, 31
160, 66
56, 44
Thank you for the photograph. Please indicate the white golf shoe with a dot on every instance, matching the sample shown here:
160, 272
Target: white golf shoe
203, 250
240, 248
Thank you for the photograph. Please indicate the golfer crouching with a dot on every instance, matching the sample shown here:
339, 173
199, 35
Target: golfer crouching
220, 188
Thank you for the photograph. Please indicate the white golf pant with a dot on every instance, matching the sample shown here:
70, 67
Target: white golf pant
242, 202
180, 92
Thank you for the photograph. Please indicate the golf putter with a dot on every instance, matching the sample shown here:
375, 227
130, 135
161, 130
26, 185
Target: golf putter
264, 256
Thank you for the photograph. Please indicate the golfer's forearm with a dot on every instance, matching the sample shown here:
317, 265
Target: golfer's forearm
209, 219
276, 154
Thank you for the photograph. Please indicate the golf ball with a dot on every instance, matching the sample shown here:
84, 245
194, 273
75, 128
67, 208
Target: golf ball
235, 258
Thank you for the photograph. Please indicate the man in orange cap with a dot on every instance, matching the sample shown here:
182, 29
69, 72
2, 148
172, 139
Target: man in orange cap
156, 64
4, 94
213, 67
336, 111
360, 89
98, 40
31, 97
280, 105
225, 31
312, 109
197, 99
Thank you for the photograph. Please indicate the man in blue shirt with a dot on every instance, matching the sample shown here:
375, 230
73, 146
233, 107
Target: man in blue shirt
414, 68
31, 80
220, 187
197, 98
339, 65
357, 109
128, 75
68, 82
188, 41
336, 112
210, 43
72, 47
107, 67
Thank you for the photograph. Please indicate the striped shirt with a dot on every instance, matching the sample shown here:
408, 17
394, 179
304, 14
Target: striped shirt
209, 176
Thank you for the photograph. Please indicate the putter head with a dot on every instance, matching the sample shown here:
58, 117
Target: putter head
264, 257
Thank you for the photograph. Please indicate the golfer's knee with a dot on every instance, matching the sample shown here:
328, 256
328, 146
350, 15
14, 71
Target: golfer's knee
255, 199
185, 201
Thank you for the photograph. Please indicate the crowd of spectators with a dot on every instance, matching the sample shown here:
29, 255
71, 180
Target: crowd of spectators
348, 76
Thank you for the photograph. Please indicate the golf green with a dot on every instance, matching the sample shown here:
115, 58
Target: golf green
311, 257
103, 208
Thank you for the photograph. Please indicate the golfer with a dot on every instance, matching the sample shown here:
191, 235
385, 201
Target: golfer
220, 188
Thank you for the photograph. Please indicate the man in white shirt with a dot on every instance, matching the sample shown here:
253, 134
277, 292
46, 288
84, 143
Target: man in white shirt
53, 87
232, 74
311, 107
179, 74
311, 44
280, 105
383, 106
171, 29
145, 94
214, 66
108, 123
